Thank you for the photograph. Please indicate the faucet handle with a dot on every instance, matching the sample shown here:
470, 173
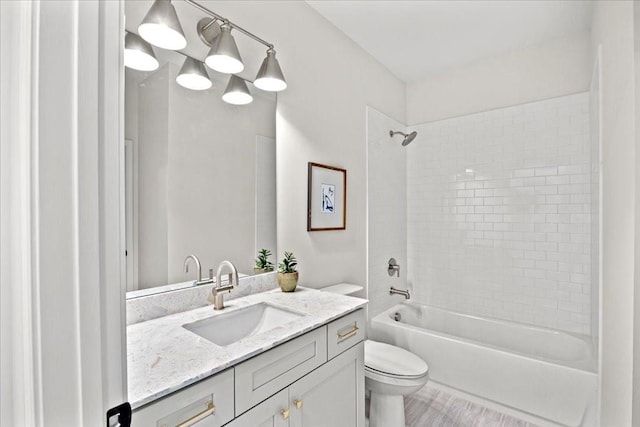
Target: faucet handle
393, 267
211, 273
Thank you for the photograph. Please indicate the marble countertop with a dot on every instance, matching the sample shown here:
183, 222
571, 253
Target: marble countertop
163, 357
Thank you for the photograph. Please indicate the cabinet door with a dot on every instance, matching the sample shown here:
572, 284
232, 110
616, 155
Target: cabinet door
273, 412
332, 395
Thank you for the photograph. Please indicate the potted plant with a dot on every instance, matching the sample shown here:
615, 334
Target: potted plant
287, 273
263, 265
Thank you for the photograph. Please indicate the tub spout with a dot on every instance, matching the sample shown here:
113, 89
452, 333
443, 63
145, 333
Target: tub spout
404, 293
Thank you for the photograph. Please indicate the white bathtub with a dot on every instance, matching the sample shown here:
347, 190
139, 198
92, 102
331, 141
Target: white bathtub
546, 373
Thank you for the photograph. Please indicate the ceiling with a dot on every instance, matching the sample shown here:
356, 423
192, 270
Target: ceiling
414, 39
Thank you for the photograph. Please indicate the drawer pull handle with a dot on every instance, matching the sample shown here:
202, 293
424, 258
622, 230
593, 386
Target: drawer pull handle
349, 334
211, 409
285, 414
298, 403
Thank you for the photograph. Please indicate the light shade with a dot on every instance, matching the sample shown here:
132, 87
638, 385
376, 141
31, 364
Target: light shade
138, 54
237, 92
224, 56
161, 26
193, 75
270, 77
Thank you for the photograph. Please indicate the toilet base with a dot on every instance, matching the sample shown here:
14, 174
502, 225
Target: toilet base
386, 410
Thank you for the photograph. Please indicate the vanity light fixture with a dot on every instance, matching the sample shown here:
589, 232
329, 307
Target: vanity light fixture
193, 75
161, 26
270, 77
224, 56
237, 92
138, 54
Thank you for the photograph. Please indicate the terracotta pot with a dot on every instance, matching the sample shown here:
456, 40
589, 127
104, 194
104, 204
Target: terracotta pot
288, 281
261, 270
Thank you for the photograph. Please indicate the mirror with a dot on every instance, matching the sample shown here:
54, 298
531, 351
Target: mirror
199, 173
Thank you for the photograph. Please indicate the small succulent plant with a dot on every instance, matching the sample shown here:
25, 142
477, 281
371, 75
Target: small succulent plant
262, 262
288, 264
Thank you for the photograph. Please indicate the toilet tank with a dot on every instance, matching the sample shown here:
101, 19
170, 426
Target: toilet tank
343, 289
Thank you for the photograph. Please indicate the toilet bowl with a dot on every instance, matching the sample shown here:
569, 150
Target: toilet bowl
390, 374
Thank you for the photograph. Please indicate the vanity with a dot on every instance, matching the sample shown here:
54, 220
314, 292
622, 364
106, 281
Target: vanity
267, 359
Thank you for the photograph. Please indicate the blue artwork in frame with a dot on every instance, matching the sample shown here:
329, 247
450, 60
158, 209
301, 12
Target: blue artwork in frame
328, 199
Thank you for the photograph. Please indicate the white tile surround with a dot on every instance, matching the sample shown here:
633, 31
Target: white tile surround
499, 213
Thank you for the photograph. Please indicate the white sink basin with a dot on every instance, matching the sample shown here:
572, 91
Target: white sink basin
228, 328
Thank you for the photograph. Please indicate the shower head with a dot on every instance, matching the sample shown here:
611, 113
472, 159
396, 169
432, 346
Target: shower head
408, 137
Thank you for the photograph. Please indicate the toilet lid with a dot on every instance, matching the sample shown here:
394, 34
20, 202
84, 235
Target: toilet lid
391, 360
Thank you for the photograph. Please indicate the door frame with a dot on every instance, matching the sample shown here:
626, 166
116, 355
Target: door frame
62, 309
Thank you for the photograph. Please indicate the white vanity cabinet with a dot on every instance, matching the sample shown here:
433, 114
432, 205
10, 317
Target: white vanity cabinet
273, 412
316, 379
208, 403
332, 394
263, 375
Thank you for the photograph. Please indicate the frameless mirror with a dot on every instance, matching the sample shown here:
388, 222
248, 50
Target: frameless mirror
199, 173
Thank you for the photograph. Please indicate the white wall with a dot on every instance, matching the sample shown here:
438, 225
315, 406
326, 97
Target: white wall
387, 212
499, 213
552, 69
320, 118
266, 209
153, 162
612, 27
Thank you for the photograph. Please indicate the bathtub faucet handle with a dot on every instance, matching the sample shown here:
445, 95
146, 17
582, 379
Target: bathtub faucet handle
393, 267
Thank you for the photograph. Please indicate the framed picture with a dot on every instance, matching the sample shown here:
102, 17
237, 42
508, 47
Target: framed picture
326, 198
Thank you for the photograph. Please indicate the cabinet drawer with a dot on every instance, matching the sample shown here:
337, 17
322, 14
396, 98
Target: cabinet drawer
206, 403
345, 332
260, 377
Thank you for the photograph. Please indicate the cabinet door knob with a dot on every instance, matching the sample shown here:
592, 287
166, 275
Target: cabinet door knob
298, 403
285, 414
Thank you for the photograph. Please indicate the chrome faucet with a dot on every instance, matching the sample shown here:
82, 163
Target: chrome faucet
199, 281
218, 297
406, 294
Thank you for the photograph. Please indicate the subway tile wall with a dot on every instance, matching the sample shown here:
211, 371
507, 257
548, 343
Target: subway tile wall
499, 213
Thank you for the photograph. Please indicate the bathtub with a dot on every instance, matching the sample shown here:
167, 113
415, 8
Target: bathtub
543, 372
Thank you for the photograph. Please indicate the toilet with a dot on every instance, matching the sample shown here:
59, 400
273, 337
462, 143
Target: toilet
390, 373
